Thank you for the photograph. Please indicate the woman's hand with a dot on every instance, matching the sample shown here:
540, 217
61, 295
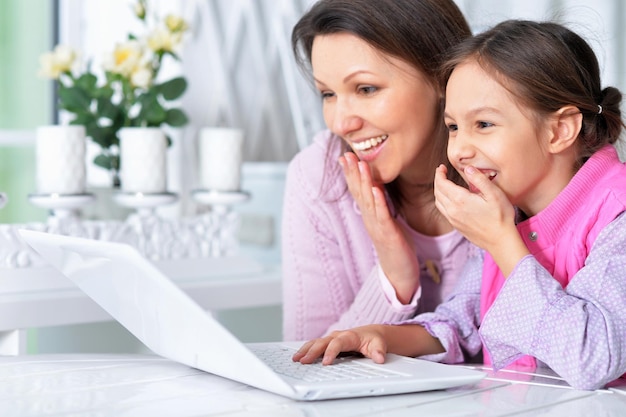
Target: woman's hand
368, 340
372, 341
396, 255
486, 217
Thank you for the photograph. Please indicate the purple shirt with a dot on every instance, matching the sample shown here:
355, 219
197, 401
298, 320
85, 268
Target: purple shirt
576, 327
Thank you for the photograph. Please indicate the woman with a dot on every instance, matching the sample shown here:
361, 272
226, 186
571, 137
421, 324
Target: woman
362, 239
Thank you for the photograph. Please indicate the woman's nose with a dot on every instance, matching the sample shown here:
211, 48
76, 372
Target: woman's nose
345, 119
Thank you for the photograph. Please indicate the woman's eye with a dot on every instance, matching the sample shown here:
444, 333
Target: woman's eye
368, 89
326, 94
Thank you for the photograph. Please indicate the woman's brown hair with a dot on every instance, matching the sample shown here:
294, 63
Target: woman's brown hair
418, 32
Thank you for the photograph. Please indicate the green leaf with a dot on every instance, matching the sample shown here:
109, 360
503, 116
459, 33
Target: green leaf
107, 109
173, 88
105, 136
105, 92
151, 110
176, 118
87, 82
103, 161
74, 99
84, 118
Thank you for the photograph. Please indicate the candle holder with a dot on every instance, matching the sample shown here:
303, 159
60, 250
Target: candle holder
144, 203
61, 205
219, 225
63, 209
149, 231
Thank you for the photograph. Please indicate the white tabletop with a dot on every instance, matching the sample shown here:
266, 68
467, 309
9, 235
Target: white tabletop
137, 385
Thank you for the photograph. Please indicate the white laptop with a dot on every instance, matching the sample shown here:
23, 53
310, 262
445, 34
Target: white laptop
154, 309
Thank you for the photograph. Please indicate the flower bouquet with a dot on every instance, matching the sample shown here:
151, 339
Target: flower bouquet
127, 92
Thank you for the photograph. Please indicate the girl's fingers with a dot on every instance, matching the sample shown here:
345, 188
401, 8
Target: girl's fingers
478, 180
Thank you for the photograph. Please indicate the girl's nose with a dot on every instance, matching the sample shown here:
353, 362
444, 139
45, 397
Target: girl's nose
460, 150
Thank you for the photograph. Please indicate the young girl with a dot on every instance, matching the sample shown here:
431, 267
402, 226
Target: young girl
531, 131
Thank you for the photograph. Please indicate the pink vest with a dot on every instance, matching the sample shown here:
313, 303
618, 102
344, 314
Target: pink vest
561, 236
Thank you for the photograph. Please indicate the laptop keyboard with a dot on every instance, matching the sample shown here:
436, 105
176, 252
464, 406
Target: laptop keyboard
279, 359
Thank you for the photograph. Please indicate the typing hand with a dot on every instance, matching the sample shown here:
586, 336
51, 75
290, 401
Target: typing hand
367, 340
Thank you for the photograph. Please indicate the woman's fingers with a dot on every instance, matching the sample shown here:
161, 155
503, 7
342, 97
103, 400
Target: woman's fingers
363, 339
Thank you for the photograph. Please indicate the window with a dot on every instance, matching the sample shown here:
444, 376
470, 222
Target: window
26, 31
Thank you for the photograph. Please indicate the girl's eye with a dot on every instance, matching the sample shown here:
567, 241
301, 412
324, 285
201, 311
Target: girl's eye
483, 125
368, 89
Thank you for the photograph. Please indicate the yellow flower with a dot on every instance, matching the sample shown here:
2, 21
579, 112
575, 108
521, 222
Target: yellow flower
162, 40
57, 62
125, 59
175, 23
140, 10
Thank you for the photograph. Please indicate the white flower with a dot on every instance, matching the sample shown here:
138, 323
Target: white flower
141, 77
175, 23
140, 10
125, 59
163, 40
57, 62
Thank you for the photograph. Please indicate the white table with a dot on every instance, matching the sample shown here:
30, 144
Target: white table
40, 297
136, 385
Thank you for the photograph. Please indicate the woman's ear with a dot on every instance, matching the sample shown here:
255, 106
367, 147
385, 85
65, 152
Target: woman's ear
566, 125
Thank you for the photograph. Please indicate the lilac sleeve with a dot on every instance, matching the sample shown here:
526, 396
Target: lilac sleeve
455, 321
579, 332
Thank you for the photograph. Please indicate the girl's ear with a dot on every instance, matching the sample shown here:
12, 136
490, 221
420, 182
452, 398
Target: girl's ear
565, 126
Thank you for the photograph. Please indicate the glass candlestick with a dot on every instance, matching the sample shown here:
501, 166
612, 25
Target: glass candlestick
150, 231
64, 211
218, 227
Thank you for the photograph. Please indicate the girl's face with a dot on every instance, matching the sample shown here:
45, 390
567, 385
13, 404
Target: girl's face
384, 108
490, 130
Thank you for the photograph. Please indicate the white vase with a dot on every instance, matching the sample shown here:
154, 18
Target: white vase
220, 158
143, 156
60, 156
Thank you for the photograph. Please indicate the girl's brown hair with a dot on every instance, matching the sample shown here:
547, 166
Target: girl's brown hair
547, 66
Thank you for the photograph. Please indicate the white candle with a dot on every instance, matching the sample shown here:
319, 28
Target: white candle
143, 158
220, 158
60, 158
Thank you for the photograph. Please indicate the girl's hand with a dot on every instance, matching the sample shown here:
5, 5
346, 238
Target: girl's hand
396, 255
368, 340
486, 218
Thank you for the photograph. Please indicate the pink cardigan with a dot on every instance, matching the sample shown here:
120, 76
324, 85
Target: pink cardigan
331, 279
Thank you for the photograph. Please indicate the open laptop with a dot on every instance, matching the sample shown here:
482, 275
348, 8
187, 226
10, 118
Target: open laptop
162, 316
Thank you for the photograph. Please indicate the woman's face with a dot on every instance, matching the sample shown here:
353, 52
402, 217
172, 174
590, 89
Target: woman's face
384, 108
